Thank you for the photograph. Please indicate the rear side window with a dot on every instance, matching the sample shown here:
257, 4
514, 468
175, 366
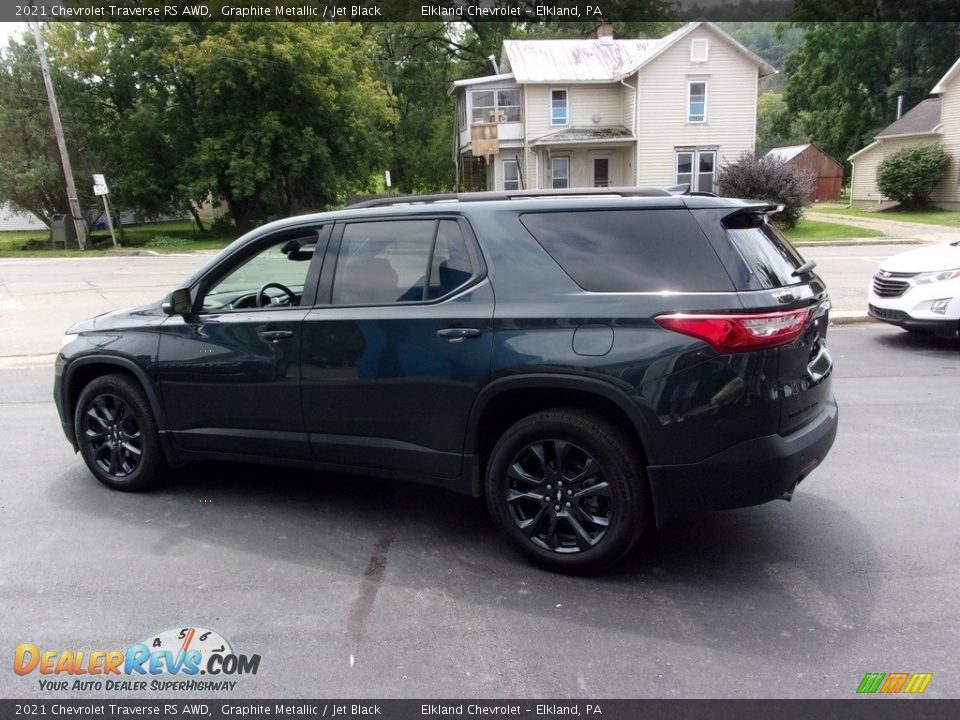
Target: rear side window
630, 250
400, 261
765, 258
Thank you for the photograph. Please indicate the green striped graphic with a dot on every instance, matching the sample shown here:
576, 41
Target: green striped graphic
871, 682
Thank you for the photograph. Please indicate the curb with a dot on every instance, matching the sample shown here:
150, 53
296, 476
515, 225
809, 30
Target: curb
859, 241
850, 318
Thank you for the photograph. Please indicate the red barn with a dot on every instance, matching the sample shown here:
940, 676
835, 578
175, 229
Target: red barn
827, 172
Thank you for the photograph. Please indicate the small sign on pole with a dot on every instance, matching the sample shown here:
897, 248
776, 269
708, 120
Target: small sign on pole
386, 177
101, 190
100, 185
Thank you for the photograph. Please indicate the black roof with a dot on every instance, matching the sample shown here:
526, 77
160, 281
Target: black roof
922, 118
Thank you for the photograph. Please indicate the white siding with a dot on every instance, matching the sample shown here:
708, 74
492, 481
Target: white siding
863, 184
584, 103
581, 166
11, 219
662, 124
948, 190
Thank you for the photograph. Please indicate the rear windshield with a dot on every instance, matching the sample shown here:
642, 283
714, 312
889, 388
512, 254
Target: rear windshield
630, 250
766, 259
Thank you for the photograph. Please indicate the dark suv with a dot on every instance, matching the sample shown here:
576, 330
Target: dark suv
588, 362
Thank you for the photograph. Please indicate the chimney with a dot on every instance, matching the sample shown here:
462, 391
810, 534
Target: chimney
899, 106
605, 33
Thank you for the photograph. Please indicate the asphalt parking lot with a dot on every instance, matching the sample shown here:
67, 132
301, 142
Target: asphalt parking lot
359, 587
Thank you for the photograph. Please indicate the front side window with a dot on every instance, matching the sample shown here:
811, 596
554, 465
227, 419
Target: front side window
493, 106
384, 263
558, 107
696, 101
273, 277
511, 175
560, 172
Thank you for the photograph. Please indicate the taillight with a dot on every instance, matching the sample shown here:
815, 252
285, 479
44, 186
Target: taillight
736, 333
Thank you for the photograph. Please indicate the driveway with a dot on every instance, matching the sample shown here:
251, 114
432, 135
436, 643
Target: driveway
893, 228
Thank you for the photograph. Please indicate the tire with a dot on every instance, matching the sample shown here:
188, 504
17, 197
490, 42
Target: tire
117, 434
584, 517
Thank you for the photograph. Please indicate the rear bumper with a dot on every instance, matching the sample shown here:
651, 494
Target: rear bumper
751, 473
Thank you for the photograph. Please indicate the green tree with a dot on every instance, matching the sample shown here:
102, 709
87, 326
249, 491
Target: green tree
268, 118
417, 64
281, 117
844, 78
776, 125
31, 175
910, 174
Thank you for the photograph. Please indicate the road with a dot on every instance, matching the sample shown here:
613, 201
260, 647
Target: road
359, 587
848, 271
39, 298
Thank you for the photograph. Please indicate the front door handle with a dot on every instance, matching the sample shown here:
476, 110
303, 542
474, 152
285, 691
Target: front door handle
274, 335
458, 334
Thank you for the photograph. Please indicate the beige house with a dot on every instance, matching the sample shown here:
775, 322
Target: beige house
934, 120
607, 112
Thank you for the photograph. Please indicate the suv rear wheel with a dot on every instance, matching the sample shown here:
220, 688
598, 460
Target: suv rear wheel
566, 488
117, 434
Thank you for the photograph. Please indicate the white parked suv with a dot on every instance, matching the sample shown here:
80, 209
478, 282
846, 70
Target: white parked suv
919, 290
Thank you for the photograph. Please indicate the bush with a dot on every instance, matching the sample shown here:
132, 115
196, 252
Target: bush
758, 177
910, 175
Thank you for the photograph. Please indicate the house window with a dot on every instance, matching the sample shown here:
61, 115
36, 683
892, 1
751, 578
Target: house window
559, 114
696, 101
511, 175
560, 172
697, 168
490, 106
699, 49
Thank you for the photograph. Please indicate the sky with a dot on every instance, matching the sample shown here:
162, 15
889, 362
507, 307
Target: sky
9, 28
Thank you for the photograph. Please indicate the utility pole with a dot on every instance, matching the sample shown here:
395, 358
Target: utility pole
78, 221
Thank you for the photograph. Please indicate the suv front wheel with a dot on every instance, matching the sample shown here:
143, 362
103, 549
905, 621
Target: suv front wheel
117, 434
566, 488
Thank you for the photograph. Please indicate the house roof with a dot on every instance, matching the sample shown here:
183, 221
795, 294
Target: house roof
922, 119
599, 60
502, 77
787, 152
941, 87
596, 134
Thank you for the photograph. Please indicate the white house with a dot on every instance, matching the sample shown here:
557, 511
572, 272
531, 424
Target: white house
11, 219
934, 120
608, 112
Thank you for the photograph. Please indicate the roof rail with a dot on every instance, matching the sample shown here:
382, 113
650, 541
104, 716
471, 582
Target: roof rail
490, 196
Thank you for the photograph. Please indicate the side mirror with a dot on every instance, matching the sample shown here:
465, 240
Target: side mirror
178, 303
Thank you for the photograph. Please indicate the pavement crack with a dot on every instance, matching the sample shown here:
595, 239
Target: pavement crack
362, 606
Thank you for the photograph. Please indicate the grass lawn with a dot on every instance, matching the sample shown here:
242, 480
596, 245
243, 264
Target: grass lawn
814, 230
172, 236
934, 216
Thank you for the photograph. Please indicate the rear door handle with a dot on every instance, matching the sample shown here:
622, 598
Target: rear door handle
457, 334
274, 335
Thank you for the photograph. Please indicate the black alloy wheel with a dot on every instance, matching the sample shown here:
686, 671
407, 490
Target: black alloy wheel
117, 433
112, 435
567, 489
558, 496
